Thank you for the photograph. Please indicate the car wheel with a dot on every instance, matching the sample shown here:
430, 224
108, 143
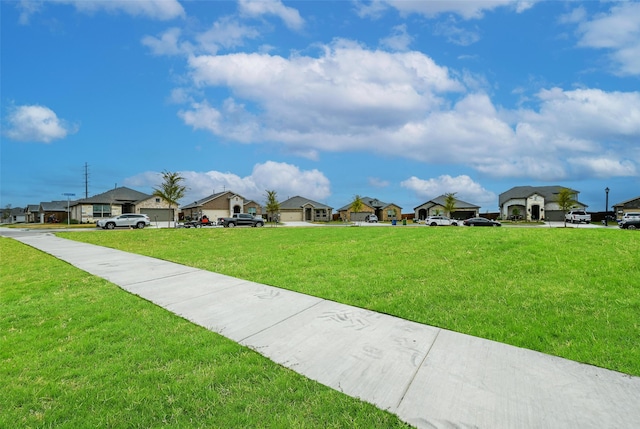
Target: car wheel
433, 224
140, 225
494, 225
472, 224
110, 225
198, 226
631, 227
454, 223
259, 224
232, 225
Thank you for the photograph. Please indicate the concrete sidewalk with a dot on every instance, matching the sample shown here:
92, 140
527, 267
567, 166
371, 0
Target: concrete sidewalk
429, 377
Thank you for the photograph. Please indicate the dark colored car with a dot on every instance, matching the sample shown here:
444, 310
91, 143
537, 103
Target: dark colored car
630, 224
481, 221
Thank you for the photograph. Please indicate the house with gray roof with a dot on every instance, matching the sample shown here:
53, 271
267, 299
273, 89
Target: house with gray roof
220, 204
301, 209
384, 211
434, 207
54, 211
33, 213
534, 203
628, 206
119, 201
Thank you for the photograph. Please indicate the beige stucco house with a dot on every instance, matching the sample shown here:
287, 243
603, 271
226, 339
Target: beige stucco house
221, 204
384, 211
534, 203
300, 209
120, 201
434, 207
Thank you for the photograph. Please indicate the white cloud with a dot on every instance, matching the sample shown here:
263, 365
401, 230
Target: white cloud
256, 8
225, 33
465, 9
286, 179
154, 9
36, 123
167, 44
463, 186
349, 98
456, 34
603, 167
619, 32
399, 40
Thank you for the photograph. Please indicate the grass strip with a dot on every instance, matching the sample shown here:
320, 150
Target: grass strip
78, 352
568, 292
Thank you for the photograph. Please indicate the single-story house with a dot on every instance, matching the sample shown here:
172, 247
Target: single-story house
54, 211
33, 213
221, 204
14, 215
632, 205
119, 201
384, 211
534, 203
434, 207
300, 209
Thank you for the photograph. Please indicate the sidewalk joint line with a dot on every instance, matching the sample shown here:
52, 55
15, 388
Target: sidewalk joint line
415, 374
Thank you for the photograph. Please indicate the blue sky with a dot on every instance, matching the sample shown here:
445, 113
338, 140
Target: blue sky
398, 100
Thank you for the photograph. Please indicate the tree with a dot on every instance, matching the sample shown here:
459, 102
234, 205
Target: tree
356, 204
273, 207
566, 201
171, 190
516, 214
449, 202
6, 212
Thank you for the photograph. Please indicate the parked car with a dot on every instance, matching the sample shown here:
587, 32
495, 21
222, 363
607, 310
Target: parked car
440, 221
630, 216
371, 218
577, 216
633, 223
481, 221
129, 220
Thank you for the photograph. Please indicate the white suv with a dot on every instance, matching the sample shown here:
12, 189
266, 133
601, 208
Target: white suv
631, 215
129, 220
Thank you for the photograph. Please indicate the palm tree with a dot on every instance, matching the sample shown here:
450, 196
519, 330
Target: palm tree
273, 207
566, 202
449, 202
356, 204
171, 189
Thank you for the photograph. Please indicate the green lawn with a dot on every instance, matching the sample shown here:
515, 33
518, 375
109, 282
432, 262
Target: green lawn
569, 292
78, 352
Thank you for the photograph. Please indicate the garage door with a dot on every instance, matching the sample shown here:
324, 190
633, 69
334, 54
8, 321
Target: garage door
157, 215
294, 216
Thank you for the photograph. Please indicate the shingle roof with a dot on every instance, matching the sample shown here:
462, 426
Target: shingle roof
550, 193
55, 206
117, 195
374, 203
442, 200
211, 197
298, 202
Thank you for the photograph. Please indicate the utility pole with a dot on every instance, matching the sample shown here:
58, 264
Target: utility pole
86, 180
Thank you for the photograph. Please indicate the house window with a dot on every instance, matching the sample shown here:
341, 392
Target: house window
391, 213
251, 211
101, 210
157, 200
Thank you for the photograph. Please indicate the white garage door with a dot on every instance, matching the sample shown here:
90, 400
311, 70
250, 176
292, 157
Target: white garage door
291, 216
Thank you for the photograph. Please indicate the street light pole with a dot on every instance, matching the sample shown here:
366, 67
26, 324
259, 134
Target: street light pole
606, 206
68, 195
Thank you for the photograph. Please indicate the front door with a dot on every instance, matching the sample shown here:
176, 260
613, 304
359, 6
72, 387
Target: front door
535, 212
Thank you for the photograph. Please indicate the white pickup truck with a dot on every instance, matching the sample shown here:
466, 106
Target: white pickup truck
577, 216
